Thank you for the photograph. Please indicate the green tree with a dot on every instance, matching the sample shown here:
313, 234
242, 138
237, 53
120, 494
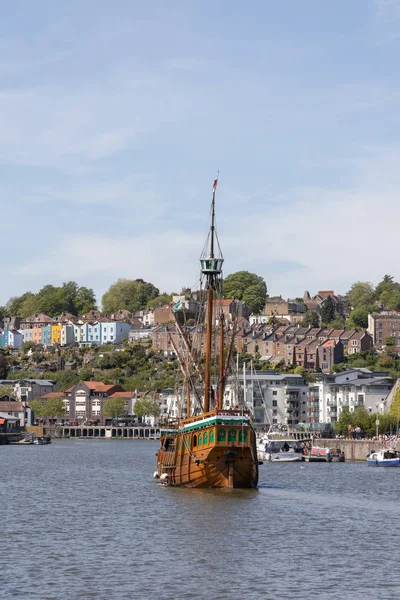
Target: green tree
7, 390
53, 300
328, 310
299, 371
37, 407
161, 299
359, 317
15, 305
248, 287
132, 295
338, 322
395, 407
310, 319
148, 407
114, 408
53, 407
4, 366
345, 420
85, 300
387, 292
360, 294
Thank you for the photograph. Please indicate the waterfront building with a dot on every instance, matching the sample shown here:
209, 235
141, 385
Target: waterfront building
85, 400
11, 409
273, 399
330, 394
28, 389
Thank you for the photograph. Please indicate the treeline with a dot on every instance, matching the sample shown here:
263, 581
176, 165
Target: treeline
52, 301
362, 299
136, 294
366, 421
126, 294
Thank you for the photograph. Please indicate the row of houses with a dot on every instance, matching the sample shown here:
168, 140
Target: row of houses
292, 345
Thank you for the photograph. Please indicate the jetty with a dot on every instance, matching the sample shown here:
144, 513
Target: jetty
133, 432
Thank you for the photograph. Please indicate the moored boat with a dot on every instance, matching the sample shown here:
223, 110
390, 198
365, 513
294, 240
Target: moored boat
211, 447
386, 457
318, 454
41, 441
284, 450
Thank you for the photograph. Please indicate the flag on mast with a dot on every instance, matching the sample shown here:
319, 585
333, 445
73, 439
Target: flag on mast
215, 182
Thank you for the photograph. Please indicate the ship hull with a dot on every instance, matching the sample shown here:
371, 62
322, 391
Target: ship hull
212, 465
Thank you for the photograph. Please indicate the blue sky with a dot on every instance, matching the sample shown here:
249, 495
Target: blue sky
115, 117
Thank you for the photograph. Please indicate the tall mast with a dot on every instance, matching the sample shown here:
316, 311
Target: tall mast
211, 267
221, 364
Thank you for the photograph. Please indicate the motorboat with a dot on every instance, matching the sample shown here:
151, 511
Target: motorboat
285, 450
318, 454
387, 457
41, 441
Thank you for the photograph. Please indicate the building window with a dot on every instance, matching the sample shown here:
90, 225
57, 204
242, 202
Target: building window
274, 393
274, 402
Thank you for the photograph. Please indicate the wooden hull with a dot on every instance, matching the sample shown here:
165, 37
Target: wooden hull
217, 465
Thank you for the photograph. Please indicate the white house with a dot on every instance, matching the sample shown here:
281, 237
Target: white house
351, 389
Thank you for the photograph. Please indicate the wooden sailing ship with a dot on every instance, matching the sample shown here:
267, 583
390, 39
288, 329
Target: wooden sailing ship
212, 447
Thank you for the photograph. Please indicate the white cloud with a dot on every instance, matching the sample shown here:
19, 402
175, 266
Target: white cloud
323, 238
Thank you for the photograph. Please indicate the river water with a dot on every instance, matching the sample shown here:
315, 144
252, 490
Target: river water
84, 519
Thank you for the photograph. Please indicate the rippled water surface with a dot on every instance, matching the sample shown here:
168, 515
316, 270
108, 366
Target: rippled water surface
83, 519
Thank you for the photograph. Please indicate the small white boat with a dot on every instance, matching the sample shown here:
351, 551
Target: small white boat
387, 457
285, 450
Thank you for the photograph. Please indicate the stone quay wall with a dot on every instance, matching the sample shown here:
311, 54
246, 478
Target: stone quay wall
353, 449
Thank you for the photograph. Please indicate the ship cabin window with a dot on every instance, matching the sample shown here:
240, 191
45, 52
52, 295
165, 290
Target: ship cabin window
194, 440
211, 436
242, 436
232, 435
205, 438
221, 435
200, 440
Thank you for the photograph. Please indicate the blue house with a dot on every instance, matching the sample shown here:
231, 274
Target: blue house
46, 335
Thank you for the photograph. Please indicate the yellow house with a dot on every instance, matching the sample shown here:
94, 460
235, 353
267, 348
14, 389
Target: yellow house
56, 334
